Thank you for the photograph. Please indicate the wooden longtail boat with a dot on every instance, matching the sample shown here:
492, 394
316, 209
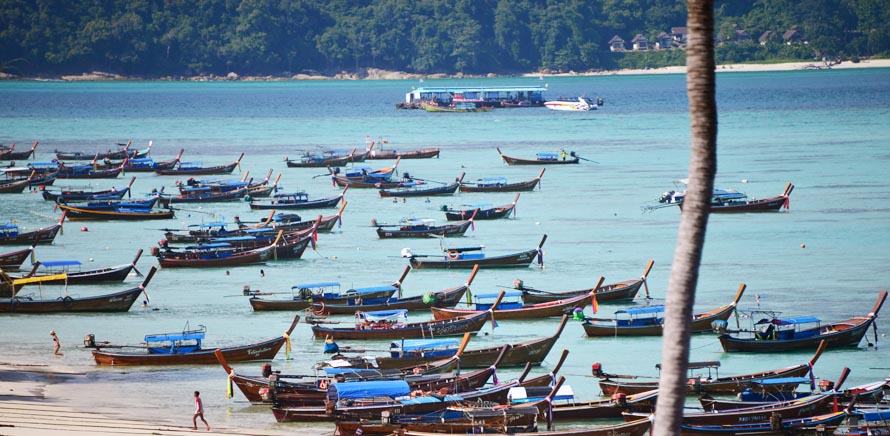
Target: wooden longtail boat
10, 235
327, 223
805, 425
297, 201
16, 185
103, 275
149, 165
466, 257
415, 189
14, 259
117, 214
366, 178
11, 154
116, 302
472, 419
847, 333
197, 169
541, 159
612, 384
643, 402
809, 406
421, 228
45, 173
518, 310
204, 195
648, 321
621, 291
290, 246
482, 211
419, 330
87, 172
181, 354
264, 189
499, 184
533, 352
444, 298
304, 296
745, 205
424, 153
121, 154
214, 256
67, 195
638, 427
327, 160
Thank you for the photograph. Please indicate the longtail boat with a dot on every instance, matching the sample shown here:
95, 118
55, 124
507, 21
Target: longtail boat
500, 184
804, 333
115, 302
305, 294
570, 409
116, 273
186, 348
483, 211
46, 172
648, 321
540, 159
421, 228
444, 298
327, 224
263, 189
621, 291
204, 195
214, 256
638, 427
14, 259
327, 159
116, 214
463, 419
149, 165
419, 188
423, 153
289, 246
366, 178
10, 153
90, 171
804, 425
743, 204
198, 169
297, 201
516, 309
68, 195
10, 234
612, 384
121, 154
467, 257
16, 185
533, 351
400, 329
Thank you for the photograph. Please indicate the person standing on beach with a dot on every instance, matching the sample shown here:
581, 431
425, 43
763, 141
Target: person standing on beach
56, 344
199, 412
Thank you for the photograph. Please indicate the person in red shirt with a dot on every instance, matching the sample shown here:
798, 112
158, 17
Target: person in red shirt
199, 412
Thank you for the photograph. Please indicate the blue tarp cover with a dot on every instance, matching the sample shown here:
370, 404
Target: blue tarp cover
8, 226
426, 344
174, 337
52, 263
387, 313
495, 295
876, 416
373, 289
208, 246
370, 389
798, 320
213, 224
234, 239
782, 381
642, 310
316, 285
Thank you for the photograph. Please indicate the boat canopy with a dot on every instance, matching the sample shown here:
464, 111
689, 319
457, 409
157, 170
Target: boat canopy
479, 205
213, 224
141, 160
793, 321
425, 344
524, 395
697, 365
495, 295
43, 164
40, 279
373, 289
642, 310
9, 226
368, 389
547, 155
234, 239
172, 337
386, 315
316, 285
209, 246
56, 263
781, 381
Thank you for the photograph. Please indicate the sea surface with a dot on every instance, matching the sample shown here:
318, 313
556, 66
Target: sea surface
825, 131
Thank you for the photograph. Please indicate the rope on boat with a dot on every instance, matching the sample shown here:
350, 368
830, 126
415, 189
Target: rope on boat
43, 215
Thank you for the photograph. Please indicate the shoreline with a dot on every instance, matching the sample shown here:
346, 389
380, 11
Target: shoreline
376, 74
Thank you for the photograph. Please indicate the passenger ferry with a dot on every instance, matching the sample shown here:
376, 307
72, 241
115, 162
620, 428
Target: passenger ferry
498, 97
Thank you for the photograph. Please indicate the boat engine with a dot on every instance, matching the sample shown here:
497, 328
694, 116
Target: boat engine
89, 341
826, 385
620, 399
666, 197
719, 326
597, 369
406, 252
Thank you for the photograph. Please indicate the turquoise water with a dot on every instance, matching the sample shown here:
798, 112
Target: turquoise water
825, 131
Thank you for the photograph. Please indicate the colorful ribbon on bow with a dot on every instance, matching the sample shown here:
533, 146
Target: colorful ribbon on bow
287, 346
229, 388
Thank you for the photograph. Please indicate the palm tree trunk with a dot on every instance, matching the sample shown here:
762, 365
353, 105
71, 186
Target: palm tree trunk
700, 88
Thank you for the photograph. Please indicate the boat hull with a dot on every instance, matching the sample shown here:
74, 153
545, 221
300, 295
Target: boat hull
260, 304
259, 351
447, 299
537, 311
430, 329
117, 302
609, 293
14, 259
517, 260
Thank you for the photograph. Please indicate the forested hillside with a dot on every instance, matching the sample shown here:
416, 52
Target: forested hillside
284, 37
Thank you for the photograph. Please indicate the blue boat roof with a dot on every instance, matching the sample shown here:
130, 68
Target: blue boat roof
43, 164
875, 416
492, 179
642, 310
197, 189
8, 226
52, 263
164, 337
425, 344
782, 381
234, 239
495, 295
142, 160
316, 285
260, 230
372, 289
371, 389
386, 313
477, 204
797, 320
208, 246
213, 224
548, 154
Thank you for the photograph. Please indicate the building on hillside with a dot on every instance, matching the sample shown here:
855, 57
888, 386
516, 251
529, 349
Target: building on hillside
793, 35
742, 35
640, 42
766, 37
616, 44
680, 34
663, 41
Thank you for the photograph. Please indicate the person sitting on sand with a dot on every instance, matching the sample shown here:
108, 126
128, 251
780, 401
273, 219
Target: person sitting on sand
199, 412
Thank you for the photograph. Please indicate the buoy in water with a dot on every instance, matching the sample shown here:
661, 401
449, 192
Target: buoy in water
84, 229
91, 259
803, 245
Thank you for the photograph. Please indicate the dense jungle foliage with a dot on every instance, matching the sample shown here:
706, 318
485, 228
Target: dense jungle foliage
283, 37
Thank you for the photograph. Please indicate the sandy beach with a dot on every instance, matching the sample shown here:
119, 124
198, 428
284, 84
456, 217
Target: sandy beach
29, 406
739, 68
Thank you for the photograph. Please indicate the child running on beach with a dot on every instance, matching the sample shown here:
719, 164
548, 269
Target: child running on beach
199, 412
